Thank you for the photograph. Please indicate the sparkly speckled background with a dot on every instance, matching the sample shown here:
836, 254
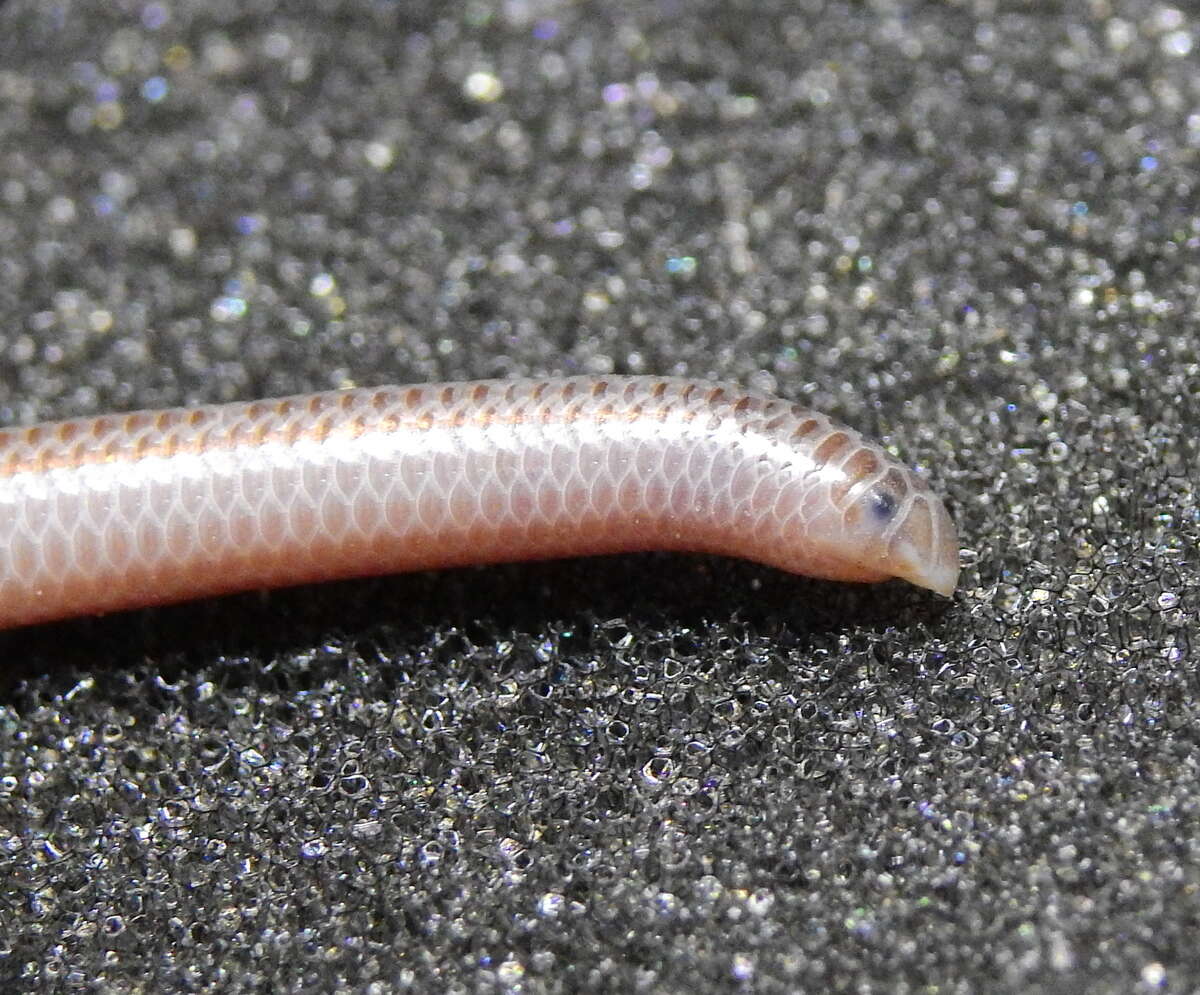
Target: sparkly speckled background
972, 229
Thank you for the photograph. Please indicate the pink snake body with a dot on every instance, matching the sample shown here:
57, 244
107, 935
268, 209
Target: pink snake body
129, 510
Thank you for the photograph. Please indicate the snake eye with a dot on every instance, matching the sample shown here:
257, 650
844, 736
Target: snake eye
883, 506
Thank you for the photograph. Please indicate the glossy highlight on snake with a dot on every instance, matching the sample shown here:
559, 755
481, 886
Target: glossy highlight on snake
129, 510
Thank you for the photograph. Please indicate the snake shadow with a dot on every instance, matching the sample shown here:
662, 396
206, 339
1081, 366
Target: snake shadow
652, 591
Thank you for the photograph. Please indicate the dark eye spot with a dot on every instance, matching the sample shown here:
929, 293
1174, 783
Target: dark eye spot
883, 505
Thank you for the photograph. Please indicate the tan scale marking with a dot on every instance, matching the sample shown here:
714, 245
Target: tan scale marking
771, 424
830, 448
862, 464
136, 421
326, 428
805, 428
321, 428
894, 481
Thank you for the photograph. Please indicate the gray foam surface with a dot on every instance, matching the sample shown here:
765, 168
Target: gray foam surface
968, 229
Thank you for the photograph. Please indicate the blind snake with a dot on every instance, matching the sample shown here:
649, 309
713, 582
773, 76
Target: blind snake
127, 510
